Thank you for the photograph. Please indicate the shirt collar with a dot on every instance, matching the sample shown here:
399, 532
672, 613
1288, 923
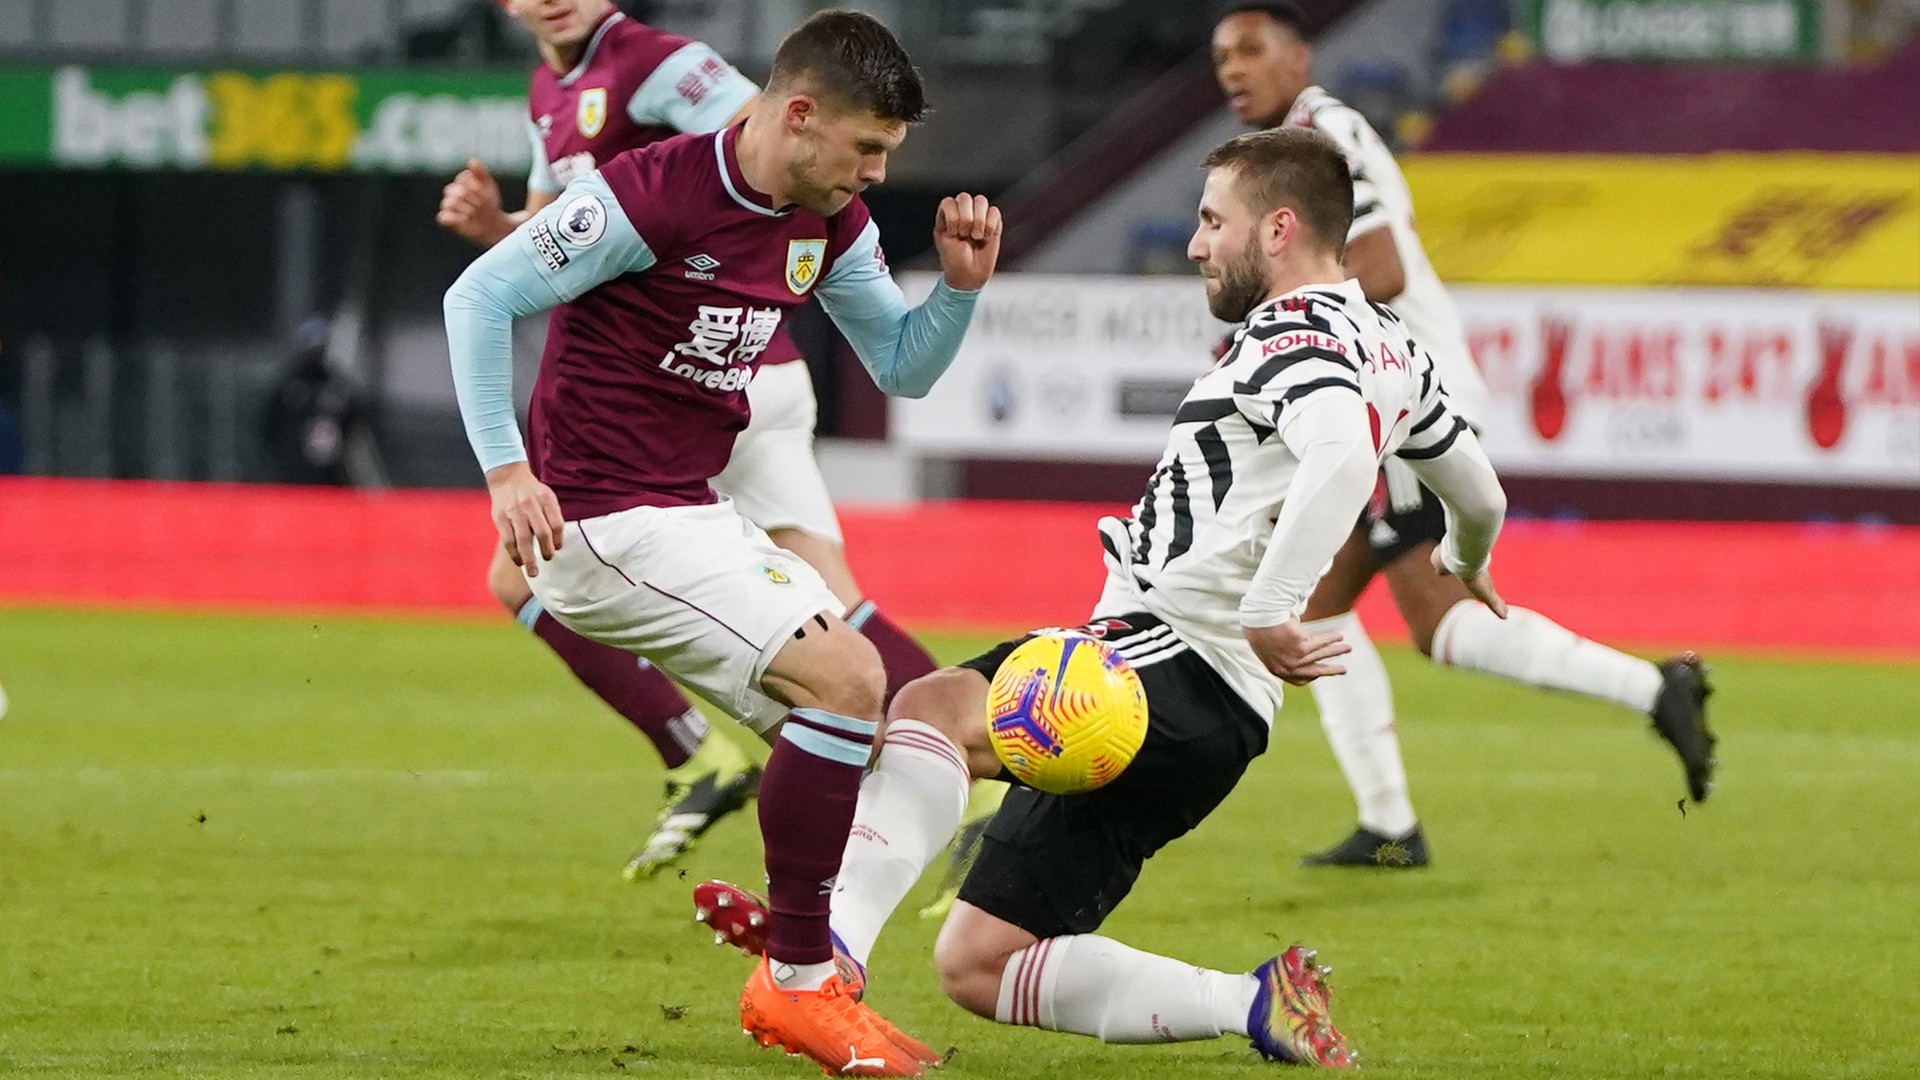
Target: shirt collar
728, 154
593, 43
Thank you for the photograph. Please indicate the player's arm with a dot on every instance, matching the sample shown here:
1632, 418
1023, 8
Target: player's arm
907, 349
1447, 457
693, 90
538, 266
1374, 259
1372, 255
1325, 428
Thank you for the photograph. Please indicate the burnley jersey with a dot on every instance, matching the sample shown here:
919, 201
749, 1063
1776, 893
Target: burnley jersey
633, 85
669, 278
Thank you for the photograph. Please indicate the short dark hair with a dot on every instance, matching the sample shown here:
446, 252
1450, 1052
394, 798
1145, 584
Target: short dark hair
1284, 12
850, 57
1296, 168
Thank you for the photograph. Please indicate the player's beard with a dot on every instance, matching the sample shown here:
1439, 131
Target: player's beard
1243, 283
804, 189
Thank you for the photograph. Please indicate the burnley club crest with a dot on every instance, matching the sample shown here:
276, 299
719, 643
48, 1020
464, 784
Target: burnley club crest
803, 264
592, 114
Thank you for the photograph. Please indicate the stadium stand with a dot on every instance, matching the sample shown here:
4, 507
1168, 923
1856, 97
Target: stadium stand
1617, 108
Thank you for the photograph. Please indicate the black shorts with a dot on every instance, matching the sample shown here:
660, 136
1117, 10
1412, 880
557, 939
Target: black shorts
1392, 532
1059, 864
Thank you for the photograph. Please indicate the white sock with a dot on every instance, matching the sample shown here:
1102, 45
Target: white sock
1091, 985
1356, 710
1533, 649
910, 806
802, 976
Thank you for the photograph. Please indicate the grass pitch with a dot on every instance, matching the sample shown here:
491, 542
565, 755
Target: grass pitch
238, 847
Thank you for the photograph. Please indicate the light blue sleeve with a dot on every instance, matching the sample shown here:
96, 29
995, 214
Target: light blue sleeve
540, 174
713, 92
579, 241
905, 350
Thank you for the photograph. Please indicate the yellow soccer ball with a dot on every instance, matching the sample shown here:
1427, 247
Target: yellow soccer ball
1066, 713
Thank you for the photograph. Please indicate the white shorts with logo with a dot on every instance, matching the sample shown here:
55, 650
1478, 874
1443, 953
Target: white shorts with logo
772, 477
698, 590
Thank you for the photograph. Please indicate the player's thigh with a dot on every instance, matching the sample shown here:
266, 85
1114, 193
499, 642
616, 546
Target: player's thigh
506, 581
697, 590
772, 476
1423, 596
971, 956
826, 664
1055, 865
1345, 580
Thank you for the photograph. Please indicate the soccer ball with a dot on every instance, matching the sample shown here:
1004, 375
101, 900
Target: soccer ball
1066, 713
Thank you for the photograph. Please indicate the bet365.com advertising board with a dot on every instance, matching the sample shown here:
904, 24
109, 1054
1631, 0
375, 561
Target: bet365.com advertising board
1762, 385
282, 121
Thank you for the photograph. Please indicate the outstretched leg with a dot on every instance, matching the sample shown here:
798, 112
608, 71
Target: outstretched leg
1021, 945
1095, 986
911, 803
1455, 630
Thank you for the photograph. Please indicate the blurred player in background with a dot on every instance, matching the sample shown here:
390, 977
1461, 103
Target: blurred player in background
1272, 455
1261, 58
607, 83
670, 270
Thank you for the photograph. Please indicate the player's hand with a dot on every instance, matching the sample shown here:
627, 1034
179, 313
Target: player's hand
470, 206
1480, 586
1295, 655
527, 513
966, 233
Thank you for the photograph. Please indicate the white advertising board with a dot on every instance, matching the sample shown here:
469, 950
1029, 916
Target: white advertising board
1065, 366
1767, 385
1702, 384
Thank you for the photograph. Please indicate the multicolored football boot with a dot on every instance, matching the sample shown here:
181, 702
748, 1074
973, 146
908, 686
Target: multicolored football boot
1290, 1020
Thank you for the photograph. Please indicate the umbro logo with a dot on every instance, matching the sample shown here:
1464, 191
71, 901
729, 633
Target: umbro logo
701, 267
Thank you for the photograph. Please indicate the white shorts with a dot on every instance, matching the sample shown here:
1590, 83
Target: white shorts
698, 590
772, 477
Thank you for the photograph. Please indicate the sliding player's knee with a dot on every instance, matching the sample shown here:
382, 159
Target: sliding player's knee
969, 974
953, 702
507, 583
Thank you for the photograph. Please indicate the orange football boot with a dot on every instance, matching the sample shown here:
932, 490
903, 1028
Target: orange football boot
842, 1036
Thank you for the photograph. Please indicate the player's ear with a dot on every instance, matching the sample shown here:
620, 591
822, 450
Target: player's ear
1278, 229
800, 110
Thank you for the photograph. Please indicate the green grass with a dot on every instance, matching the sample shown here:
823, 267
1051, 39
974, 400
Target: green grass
248, 847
